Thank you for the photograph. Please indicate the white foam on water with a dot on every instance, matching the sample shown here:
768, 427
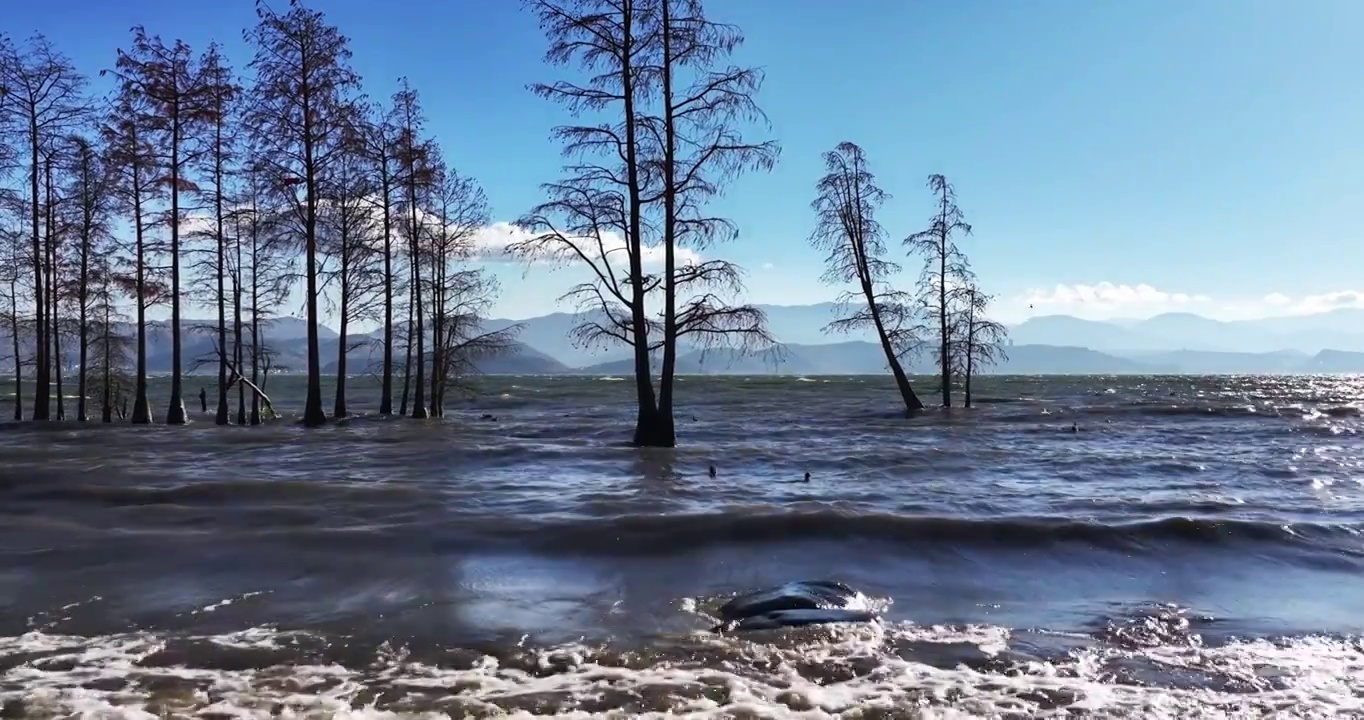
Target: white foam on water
840, 671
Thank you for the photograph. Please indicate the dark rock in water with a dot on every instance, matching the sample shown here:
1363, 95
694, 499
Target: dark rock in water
807, 602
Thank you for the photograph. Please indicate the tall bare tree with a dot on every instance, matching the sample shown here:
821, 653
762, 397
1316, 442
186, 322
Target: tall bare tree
171, 83
943, 261
133, 161
418, 160
846, 228
90, 197
54, 230
45, 101
13, 268
219, 96
595, 216
460, 295
978, 341
304, 86
269, 264
379, 145
349, 239
697, 147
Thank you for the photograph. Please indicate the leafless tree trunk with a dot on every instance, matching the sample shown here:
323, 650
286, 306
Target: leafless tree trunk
172, 83
978, 341
943, 261
700, 148
597, 212
846, 204
46, 95
131, 157
304, 86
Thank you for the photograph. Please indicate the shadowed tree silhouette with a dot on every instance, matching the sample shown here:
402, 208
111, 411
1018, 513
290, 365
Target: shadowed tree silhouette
176, 107
846, 228
595, 216
44, 101
693, 147
298, 114
978, 341
943, 262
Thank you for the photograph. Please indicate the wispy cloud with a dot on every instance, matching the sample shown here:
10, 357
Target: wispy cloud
1104, 300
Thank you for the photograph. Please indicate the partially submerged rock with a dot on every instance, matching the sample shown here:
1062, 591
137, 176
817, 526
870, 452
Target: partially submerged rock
793, 604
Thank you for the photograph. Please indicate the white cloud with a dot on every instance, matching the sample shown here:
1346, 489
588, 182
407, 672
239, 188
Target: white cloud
491, 243
1106, 300
768, 266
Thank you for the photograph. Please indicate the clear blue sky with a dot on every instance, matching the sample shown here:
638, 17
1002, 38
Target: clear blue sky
1208, 148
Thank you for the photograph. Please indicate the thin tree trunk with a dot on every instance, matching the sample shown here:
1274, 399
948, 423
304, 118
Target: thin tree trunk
42, 389
419, 392
142, 411
667, 432
339, 407
313, 414
221, 416
407, 361
175, 412
53, 293
255, 309
107, 412
14, 337
944, 350
237, 323
386, 392
82, 296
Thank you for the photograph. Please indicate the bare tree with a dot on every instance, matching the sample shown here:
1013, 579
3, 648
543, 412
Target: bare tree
91, 198
379, 146
846, 228
269, 263
12, 293
460, 296
348, 239
978, 341
45, 100
171, 83
53, 230
597, 213
697, 147
943, 261
301, 105
418, 160
219, 95
132, 159
109, 346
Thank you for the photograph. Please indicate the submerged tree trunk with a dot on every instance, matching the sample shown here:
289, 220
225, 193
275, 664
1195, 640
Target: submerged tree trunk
142, 411
237, 326
14, 337
42, 390
82, 296
386, 391
175, 411
407, 361
221, 416
419, 392
54, 298
107, 411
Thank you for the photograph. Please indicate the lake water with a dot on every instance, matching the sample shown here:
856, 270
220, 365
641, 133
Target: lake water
1193, 551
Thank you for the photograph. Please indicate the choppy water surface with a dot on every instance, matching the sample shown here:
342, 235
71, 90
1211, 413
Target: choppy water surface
1193, 551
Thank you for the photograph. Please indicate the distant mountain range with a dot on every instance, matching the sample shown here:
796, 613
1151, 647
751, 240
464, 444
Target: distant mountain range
1329, 342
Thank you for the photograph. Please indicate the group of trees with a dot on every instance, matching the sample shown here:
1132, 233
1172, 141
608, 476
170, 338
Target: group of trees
228, 190
233, 190
946, 314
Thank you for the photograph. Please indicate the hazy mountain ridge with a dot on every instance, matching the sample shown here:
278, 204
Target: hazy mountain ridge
1055, 344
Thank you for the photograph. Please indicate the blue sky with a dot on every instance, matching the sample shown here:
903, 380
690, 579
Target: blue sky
1116, 158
